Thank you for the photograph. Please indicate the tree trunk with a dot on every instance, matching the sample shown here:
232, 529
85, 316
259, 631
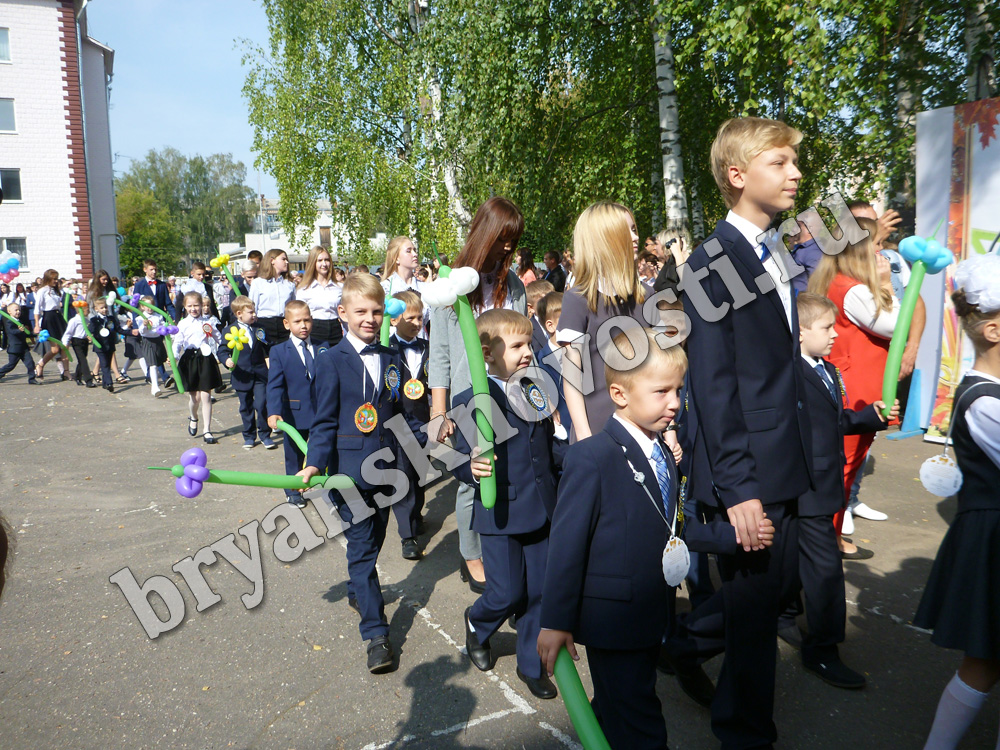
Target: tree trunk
981, 83
907, 101
675, 201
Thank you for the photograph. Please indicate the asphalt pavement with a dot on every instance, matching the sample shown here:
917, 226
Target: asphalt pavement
77, 669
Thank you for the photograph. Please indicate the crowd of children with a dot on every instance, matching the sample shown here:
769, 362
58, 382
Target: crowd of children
625, 461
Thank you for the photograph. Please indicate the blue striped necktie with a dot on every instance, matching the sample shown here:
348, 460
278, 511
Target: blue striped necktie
662, 476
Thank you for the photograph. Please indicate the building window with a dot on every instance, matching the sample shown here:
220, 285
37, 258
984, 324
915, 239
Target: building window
7, 115
18, 246
10, 183
4, 45
324, 237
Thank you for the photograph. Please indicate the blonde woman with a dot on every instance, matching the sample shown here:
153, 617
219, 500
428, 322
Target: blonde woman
859, 281
605, 241
269, 292
318, 290
399, 272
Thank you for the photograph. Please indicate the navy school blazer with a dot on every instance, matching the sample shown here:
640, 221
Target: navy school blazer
160, 298
290, 392
419, 408
749, 423
604, 576
251, 366
335, 442
525, 472
830, 422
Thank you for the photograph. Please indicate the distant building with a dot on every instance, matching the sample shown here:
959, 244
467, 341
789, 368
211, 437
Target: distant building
55, 145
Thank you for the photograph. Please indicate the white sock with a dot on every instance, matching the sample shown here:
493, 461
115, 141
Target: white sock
144, 367
61, 366
957, 708
155, 385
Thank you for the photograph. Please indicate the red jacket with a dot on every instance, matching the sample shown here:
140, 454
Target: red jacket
859, 354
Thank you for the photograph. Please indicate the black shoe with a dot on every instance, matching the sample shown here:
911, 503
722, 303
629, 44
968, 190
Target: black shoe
170, 382
791, 635
663, 661
540, 687
209, 438
353, 604
33, 381
479, 654
192, 427
693, 680
91, 384
837, 673
860, 554
79, 382
110, 388
474, 585
379, 655
298, 501
222, 388
411, 550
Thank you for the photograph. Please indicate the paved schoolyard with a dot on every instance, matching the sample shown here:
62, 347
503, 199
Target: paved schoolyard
78, 671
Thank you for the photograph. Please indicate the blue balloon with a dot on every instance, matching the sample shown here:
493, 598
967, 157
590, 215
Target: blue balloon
912, 248
394, 307
15, 263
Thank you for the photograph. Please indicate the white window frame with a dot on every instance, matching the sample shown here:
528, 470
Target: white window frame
10, 60
24, 260
11, 100
19, 182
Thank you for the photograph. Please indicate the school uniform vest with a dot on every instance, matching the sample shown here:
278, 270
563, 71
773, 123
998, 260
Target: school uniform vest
859, 354
980, 476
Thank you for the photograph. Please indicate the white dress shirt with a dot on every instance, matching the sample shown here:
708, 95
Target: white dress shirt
270, 295
244, 327
412, 356
371, 361
191, 334
859, 307
751, 232
74, 330
645, 444
45, 300
395, 284
300, 346
983, 418
321, 298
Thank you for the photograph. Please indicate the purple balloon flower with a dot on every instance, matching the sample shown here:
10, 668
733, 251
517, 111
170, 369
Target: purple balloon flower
195, 474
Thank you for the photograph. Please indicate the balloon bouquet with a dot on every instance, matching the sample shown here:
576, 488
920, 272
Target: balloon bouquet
9, 266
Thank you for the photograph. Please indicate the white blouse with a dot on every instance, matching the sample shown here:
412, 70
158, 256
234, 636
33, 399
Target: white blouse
983, 418
191, 334
321, 298
395, 284
46, 299
74, 330
270, 295
859, 307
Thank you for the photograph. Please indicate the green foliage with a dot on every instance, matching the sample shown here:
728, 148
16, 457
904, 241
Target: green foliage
553, 103
206, 197
149, 231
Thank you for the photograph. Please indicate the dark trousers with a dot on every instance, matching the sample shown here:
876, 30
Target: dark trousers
253, 411
364, 542
742, 620
625, 701
104, 357
515, 572
12, 360
821, 572
699, 580
293, 458
80, 348
407, 510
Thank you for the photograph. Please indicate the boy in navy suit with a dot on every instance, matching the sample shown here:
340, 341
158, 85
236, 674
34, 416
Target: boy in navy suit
413, 355
152, 287
617, 510
750, 455
534, 292
290, 384
514, 535
821, 570
104, 328
358, 389
17, 346
249, 378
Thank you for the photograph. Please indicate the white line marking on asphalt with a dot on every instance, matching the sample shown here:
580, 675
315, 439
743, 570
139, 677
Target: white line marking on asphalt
560, 735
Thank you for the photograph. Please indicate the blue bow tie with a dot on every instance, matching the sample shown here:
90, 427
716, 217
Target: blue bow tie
414, 344
371, 349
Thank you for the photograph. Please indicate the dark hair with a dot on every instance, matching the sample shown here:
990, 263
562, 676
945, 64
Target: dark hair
553, 254
497, 219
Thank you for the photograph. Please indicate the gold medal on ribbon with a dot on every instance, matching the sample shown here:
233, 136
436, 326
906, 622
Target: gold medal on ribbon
413, 389
366, 417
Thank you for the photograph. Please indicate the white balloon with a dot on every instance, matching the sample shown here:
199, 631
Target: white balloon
465, 279
439, 293
112, 296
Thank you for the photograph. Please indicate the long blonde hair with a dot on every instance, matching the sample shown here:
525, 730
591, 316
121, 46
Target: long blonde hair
857, 262
602, 248
267, 269
309, 275
392, 256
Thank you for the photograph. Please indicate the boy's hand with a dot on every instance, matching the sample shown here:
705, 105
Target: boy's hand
272, 421
765, 532
445, 428
229, 364
481, 467
670, 438
307, 473
549, 643
746, 518
879, 407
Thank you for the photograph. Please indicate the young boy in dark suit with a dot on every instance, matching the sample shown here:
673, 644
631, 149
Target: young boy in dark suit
249, 377
150, 286
617, 510
749, 424
821, 570
413, 355
291, 382
357, 390
17, 345
514, 535
534, 292
104, 328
